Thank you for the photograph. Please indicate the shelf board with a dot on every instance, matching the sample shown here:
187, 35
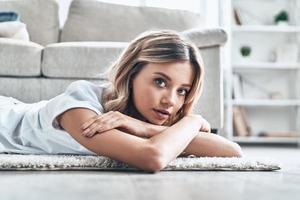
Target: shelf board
266, 65
266, 28
265, 102
255, 139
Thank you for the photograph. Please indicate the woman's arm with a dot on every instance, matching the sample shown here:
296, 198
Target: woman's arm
113, 143
209, 144
204, 144
173, 140
115, 119
151, 154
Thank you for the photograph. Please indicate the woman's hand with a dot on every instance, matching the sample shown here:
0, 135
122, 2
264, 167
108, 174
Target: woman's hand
205, 126
111, 120
115, 119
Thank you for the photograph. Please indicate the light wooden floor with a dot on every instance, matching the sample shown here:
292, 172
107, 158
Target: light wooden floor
169, 185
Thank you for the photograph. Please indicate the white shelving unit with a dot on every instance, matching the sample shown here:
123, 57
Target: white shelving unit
263, 72
265, 102
270, 29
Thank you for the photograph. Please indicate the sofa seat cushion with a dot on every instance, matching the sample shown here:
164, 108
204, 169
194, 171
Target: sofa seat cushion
24, 89
19, 58
80, 59
112, 22
35, 89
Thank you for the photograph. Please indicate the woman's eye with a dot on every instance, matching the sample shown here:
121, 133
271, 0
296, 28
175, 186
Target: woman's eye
183, 92
160, 82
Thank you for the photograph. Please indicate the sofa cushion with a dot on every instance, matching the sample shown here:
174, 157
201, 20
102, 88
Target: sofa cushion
19, 58
30, 90
24, 89
48, 91
79, 59
40, 16
112, 22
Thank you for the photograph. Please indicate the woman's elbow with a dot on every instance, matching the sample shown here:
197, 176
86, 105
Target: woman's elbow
236, 150
154, 161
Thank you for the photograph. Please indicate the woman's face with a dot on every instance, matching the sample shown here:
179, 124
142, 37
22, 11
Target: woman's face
159, 90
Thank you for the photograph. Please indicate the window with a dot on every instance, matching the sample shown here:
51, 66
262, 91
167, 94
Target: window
190, 5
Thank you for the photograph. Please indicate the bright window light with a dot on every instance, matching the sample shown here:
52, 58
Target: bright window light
190, 5
127, 2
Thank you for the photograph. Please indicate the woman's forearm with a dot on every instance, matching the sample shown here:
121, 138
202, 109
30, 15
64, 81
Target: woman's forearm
203, 144
152, 129
209, 144
173, 140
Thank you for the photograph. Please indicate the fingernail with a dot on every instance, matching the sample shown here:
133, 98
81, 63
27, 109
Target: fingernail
85, 132
90, 135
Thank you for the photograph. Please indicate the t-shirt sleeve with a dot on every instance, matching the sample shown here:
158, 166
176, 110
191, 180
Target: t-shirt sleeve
79, 94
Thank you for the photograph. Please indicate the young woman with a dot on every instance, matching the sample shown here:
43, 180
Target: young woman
141, 116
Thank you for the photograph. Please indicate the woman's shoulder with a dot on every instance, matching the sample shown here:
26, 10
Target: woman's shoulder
78, 84
83, 89
87, 85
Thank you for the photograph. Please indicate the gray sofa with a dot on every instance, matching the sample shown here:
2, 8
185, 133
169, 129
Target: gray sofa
91, 39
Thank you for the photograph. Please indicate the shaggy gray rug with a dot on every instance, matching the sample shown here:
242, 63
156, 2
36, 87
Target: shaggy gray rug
79, 162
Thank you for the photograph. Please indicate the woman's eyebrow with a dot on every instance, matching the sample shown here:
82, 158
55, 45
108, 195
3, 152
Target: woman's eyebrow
169, 79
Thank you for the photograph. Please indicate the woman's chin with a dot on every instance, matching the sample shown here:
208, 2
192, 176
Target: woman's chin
156, 122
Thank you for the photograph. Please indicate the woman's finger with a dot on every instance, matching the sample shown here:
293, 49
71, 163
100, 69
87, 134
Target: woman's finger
92, 132
101, 127
90, 121
97, 118
90, 128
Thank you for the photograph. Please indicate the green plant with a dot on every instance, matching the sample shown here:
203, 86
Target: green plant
282, 16
245, 51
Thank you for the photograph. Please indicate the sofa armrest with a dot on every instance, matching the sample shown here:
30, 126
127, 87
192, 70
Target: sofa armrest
210, 104
20, 58
206, 37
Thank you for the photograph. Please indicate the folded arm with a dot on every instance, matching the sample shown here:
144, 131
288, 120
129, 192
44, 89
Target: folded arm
204, 144
209, 144
150, 154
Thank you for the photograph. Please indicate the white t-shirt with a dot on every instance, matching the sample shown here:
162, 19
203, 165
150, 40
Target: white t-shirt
33, 129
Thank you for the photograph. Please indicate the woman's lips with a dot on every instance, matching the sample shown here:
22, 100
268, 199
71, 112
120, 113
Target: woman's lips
160, 115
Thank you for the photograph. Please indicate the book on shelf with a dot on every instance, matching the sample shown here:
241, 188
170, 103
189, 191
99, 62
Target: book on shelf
237, 17
237, 86
241, 125
278, 134
243, 16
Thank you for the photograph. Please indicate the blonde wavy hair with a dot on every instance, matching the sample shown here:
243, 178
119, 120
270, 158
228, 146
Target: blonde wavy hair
163, 46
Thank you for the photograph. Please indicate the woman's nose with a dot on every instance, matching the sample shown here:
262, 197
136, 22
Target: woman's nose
170, 98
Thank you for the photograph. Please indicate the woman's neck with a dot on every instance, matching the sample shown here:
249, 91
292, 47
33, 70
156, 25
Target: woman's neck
133, 112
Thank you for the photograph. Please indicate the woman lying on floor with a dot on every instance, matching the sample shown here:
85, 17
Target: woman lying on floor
142, 116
